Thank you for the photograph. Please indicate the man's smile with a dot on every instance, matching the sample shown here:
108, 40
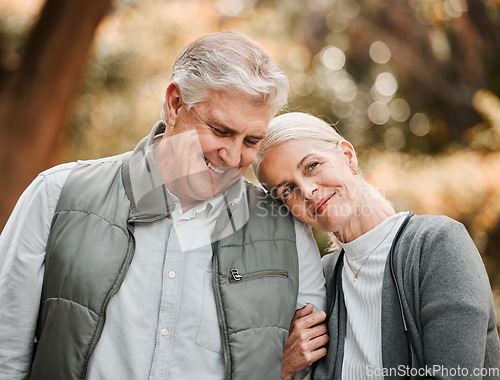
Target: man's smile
214, 168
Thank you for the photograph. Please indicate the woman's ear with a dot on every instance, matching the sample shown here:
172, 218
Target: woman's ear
173, 102
350, 154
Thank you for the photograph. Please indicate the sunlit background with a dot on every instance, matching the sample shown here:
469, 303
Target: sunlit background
413, 84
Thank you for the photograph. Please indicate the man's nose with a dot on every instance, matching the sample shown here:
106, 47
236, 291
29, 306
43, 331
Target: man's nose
231, 155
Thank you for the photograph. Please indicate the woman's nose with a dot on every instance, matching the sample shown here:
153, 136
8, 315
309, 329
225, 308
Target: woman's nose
309, 191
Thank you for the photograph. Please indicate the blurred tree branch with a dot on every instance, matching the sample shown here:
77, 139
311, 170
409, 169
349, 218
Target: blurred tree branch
440, 61
36, 97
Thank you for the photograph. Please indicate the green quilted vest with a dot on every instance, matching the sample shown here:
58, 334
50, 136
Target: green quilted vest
91, 245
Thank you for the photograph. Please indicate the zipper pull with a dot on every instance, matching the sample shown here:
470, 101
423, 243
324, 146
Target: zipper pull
235, 275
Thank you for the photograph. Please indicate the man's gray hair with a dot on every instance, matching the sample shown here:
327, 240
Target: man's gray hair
227, 62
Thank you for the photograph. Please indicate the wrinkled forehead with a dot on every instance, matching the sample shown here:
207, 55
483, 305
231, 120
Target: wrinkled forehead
236, 112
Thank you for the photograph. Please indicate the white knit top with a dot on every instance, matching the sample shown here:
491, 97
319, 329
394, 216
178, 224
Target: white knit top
363, 299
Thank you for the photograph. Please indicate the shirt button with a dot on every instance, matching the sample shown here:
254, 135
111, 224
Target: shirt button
178, 223
164, 332
171, 274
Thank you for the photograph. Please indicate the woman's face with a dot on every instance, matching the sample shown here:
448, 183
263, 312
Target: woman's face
317, 184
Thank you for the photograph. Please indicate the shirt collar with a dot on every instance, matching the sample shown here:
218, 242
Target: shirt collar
143, 183
211, 207
150, 199
373, 239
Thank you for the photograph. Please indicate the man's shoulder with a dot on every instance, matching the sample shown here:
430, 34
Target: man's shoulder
62, 170
265, 204
59, 174
111, 159
54, 177
58, 170
259, 192
250, 186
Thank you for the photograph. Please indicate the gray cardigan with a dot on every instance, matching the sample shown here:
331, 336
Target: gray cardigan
447, 303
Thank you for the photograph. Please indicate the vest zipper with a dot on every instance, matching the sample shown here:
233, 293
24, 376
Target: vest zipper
236, 276
220, 313
115, 288
113, 291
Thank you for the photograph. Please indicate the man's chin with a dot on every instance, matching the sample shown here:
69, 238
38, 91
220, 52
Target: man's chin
218, 189
198, 197
200, 188
221, 183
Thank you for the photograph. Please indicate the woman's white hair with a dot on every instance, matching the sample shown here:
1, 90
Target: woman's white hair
295, 126
227, 62
305, 127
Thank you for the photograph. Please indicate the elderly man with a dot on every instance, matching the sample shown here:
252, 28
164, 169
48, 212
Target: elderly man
162, 262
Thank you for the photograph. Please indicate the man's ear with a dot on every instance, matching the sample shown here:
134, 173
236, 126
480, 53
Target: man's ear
349, 152
173, 102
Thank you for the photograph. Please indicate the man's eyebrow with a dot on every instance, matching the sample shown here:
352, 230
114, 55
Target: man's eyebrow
217, 124
213, 123
257, 137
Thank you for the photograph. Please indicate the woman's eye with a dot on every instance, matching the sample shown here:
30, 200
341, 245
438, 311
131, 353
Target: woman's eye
312, 166
286, 193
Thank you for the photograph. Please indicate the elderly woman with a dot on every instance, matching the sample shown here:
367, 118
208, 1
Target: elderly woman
408, 295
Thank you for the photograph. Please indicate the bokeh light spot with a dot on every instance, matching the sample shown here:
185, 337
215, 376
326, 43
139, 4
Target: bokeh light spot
455, 8
345, 90
420, 124
336, 22
378, 113
380, 52
440, 45
386, 84
394, 139
400, 110
233, 8
333, 58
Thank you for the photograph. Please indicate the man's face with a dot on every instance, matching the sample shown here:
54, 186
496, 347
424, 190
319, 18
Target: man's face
206, 149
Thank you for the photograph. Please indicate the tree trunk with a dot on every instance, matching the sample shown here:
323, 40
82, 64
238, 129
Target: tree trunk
35, 99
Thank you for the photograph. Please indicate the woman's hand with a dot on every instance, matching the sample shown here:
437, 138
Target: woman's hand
306, 341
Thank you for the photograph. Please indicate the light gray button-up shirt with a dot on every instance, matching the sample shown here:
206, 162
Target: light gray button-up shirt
162, 324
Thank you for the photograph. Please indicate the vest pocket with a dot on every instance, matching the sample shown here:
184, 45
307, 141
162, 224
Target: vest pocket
258, 298
235, 275
208, 335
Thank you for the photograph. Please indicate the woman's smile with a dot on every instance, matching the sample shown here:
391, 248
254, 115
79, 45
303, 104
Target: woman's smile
322, 204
